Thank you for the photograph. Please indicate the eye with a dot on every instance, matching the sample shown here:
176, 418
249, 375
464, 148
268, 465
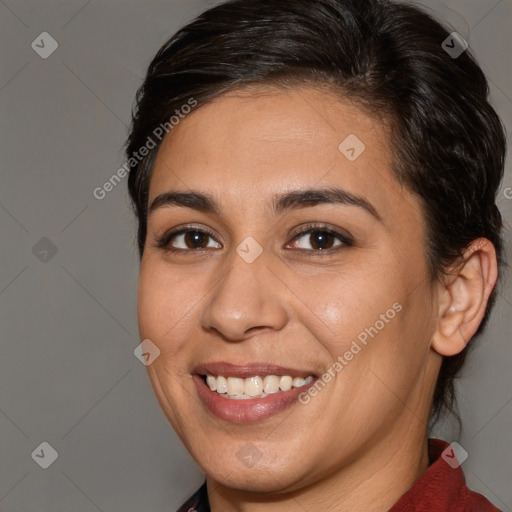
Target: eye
320, 238
189, 239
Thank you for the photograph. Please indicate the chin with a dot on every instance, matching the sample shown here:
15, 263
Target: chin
256, 480
232, 466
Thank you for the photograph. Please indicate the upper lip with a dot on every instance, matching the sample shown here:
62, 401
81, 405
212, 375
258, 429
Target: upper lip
249, 370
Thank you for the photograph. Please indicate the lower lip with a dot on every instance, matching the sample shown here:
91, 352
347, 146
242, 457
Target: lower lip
247, 410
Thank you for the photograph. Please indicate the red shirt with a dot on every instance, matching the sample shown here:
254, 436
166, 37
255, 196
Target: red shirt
440, 489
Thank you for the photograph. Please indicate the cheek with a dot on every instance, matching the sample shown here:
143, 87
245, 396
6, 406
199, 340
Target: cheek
372, 326
161, 303
149, 302
346, 304
385, 372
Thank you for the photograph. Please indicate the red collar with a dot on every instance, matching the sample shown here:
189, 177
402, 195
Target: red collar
442, 488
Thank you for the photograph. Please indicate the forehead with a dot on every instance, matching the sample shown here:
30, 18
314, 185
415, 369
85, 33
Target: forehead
269, 140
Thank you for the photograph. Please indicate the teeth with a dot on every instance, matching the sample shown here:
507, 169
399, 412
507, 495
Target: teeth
212, 382
271, 384
242, 389
298, 382
253, 386
285, 383
222, 385
235, 386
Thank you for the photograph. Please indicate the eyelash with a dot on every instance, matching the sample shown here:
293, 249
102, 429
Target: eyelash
164, 241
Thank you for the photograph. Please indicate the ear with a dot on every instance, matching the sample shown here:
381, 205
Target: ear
463, 296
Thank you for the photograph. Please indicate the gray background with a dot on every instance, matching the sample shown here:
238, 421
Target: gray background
68, 375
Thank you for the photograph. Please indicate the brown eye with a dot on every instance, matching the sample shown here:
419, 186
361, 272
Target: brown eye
196, 239
187, 240
321, 240
317, 239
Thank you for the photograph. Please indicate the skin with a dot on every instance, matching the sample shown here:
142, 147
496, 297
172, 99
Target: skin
361, 442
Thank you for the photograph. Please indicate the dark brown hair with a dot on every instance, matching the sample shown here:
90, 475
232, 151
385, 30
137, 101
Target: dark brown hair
449, 144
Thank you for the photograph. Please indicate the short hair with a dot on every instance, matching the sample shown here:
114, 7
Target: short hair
387, 57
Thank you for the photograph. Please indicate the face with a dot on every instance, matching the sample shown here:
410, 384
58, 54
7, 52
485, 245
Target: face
252, 285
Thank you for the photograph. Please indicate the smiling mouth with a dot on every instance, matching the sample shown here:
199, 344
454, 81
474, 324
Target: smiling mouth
250, 392
236, 388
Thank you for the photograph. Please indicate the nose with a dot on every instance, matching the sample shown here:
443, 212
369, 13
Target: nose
247, 299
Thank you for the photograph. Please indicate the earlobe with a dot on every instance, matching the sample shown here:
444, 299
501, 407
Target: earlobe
463, 298
449, 340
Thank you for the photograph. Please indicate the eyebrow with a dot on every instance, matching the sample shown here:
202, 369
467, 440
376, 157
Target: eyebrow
281, 203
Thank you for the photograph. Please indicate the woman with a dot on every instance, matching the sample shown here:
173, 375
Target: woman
315, 186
